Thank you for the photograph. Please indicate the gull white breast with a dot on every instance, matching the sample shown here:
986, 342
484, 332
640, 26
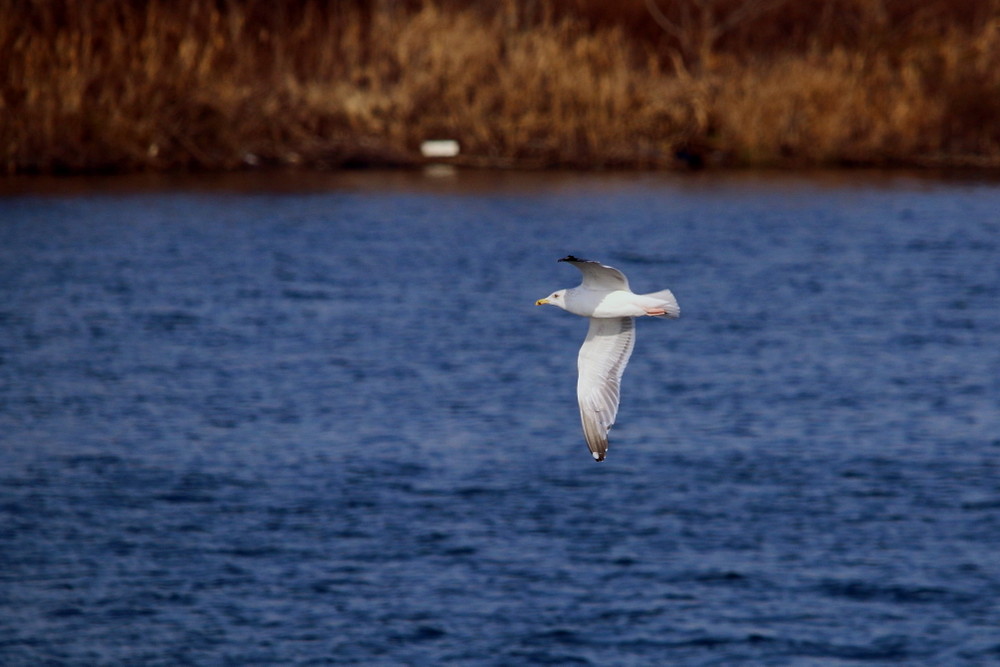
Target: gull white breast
605, 298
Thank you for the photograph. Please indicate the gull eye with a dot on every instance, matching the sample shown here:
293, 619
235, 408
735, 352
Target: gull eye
555, 296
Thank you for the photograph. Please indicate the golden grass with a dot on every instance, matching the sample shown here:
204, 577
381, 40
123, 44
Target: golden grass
222, 84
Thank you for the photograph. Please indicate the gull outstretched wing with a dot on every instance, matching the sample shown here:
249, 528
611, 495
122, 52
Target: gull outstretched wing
597, 276
603, 357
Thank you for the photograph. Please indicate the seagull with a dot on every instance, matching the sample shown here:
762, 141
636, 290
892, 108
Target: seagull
604, 297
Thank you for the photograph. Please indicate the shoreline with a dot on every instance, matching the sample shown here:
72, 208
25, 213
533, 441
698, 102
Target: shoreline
283, 180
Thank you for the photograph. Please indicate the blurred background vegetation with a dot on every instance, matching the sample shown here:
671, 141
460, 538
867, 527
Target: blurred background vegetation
94, 85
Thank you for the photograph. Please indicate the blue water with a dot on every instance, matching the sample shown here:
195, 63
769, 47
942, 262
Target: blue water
323, 423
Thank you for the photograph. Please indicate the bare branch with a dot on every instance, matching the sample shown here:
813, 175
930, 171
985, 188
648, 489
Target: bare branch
745, 11
661, 19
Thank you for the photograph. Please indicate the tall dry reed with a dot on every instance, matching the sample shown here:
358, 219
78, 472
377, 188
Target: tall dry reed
221, 84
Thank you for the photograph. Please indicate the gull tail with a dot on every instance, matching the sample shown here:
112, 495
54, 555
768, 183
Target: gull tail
669, 303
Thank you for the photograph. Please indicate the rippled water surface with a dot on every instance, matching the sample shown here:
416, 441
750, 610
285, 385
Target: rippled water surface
318, 423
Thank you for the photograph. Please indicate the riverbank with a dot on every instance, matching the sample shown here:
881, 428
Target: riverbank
160, 86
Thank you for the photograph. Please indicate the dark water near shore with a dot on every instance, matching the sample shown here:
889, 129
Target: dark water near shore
254, 423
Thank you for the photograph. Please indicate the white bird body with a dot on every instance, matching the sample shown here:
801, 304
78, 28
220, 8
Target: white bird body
619, 303
605, 298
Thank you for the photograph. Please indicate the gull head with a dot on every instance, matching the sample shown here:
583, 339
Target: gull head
554, 299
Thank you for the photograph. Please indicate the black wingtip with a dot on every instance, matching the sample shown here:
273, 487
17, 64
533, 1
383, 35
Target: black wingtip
571, 258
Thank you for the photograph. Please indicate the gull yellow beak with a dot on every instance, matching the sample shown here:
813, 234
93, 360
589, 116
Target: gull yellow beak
541, 302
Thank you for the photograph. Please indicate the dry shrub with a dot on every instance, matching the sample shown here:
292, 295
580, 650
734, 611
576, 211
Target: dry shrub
806, 111
937, 104
553, 95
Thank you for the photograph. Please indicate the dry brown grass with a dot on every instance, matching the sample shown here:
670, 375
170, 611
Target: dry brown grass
934, 105
220, 84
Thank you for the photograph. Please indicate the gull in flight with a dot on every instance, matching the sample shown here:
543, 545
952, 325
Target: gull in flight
604, 296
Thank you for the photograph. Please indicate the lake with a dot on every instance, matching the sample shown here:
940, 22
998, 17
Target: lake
317, 419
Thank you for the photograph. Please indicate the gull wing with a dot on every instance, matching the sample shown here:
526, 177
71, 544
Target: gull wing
603, 357
597, 276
